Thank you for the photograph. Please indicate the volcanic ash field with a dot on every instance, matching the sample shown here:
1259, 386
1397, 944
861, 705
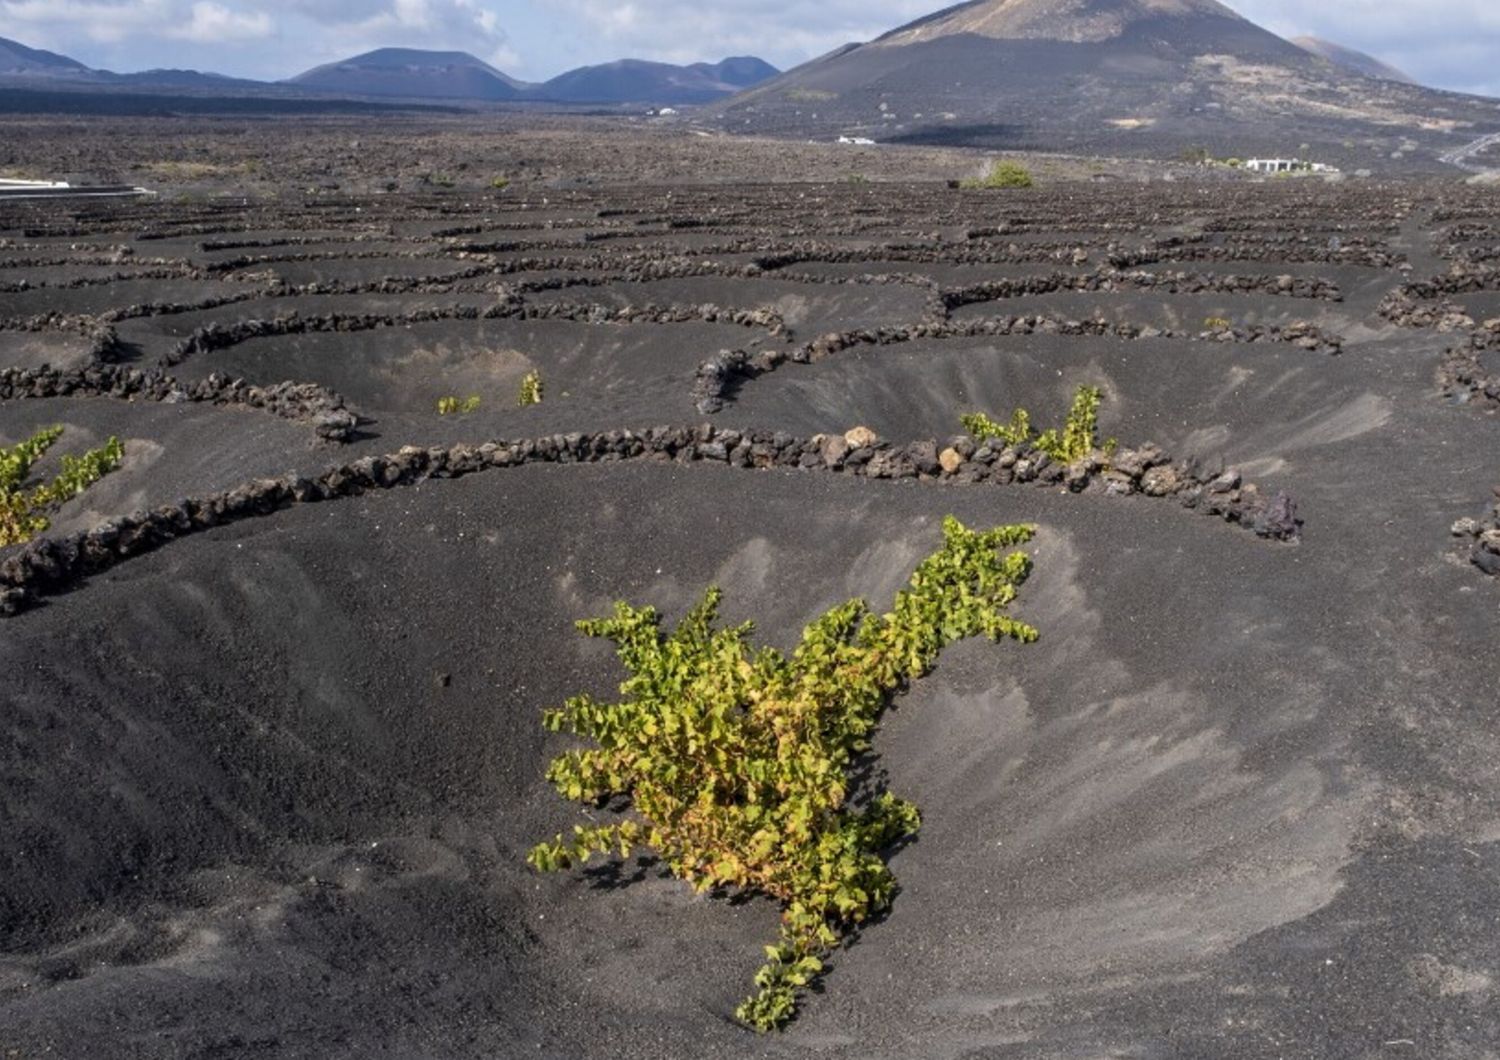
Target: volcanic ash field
272, 751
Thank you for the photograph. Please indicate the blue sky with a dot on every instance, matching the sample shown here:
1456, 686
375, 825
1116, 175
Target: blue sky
1447, 43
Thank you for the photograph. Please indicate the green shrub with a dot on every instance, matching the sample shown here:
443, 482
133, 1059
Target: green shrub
452, 406
1002, 175
500, 183
1017, 432
1076, 439
531, 389
23, 511
1216, 324
737, 763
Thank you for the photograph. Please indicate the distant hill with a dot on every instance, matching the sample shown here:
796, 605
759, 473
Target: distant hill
23, 67
1150, 78
17, 60
1350, 59
741, 71
192, 79
638, 81
33, 81
412, 74
409, 73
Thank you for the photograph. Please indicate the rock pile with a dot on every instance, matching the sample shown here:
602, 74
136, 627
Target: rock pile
304, 402
1174, 283
52, 565
1426, 303
221, 336
76, 283
1480, 538
1462, 373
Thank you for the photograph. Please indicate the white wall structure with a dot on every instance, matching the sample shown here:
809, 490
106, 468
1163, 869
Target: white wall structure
61, 189
1287, 165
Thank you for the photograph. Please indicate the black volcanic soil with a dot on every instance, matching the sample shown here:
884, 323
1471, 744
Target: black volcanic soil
266, 790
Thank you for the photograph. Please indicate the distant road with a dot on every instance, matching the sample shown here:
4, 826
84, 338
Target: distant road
1463, 157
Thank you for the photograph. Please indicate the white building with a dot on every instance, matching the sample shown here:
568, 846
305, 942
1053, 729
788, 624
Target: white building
1287, 165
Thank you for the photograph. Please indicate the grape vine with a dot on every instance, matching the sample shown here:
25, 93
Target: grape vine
737, 764
24, 511
1077, 437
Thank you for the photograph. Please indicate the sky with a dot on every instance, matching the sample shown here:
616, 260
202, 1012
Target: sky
1445, 43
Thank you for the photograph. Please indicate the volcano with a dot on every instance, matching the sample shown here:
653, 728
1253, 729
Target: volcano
17, 60
1353, 59
1144, 77
409, 73
637, 81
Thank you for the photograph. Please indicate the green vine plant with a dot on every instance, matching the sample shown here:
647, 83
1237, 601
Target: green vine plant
24, 509
452, 406
1001, 175
531, 389
736, 764
1077, 438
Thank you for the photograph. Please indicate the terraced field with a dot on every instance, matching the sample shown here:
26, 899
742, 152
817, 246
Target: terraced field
272, 750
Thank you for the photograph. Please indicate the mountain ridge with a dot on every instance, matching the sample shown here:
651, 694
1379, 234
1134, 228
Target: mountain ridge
17, 58
410, 73
641, 81
1152, 78
418, 74
1353, 59
1074, 21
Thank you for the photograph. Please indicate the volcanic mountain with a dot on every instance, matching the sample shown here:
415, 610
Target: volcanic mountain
637, 81
409, 73
1352, 59
26, 68
1144, 77
17, 60
413, 74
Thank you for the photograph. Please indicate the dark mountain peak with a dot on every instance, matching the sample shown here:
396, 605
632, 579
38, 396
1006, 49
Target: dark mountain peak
742, 71
414, 57
1351, 59
17, 58
419, 59
414, 74
643, 81
1074, 21
1139, 77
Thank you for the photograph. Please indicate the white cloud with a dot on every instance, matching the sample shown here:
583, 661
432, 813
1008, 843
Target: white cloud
783, 30
213, 23
360, 25
98, 20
